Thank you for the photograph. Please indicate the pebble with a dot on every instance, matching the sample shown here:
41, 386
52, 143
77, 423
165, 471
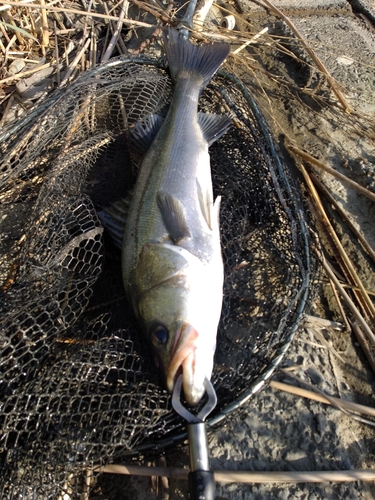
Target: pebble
302, 464
315, 376
313, 497
259, 464
265, 434
321, 421
16, 66
317, 437
295, 454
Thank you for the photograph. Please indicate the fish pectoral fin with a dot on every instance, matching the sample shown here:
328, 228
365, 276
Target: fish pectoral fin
143, 134
173, 215
213, 126
113, 219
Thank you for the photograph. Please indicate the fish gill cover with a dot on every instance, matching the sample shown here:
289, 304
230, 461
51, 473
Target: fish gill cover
78, 386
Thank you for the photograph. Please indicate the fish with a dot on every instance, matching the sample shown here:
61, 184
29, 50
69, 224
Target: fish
172, 263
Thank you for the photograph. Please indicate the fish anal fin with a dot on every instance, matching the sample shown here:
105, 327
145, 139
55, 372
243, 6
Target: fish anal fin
210, 210
173, 215
213, 126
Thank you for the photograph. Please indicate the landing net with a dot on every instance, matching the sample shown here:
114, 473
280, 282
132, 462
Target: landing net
78, 386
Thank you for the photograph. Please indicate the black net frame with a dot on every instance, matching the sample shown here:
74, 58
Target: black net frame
78, 385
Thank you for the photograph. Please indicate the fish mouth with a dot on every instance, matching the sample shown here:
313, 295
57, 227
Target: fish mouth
183, 360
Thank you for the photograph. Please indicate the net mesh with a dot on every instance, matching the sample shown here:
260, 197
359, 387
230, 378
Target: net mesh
78, 386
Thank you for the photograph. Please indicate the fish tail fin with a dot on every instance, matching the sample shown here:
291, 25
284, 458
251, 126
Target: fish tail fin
185, 57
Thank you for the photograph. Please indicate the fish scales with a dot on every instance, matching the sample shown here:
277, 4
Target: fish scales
179, 156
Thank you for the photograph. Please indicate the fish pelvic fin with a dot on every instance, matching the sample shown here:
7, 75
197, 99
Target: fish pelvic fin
213, 126
173, 215
210, 210
185, 57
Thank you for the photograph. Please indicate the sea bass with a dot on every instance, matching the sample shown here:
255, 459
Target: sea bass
171, 255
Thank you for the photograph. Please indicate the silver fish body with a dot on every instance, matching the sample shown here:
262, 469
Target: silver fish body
171, 256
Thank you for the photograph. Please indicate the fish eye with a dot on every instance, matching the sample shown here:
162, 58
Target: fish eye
159, 334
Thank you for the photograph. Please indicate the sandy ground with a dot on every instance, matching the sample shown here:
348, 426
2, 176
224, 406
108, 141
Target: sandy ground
276, 431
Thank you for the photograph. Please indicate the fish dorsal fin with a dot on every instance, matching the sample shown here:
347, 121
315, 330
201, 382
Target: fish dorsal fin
113, 219
173, 215
143, 134
213, 126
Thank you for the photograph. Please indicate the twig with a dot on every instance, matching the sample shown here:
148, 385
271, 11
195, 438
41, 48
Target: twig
366, 302
93, 47
314, 321
57, 56
158, 14
45, 30
72, 244
9, 18
87, 484
332, 82
363, 342
4, 32
336, 402
317, 334
18, 76
123, 15
298, 391
129, 22
6, 110
314, 161
164, 480
201, 12
352, 287
348, 300
227, 476
75, 62
252, 40
340, 306
31, 21
341, 212
11, 42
